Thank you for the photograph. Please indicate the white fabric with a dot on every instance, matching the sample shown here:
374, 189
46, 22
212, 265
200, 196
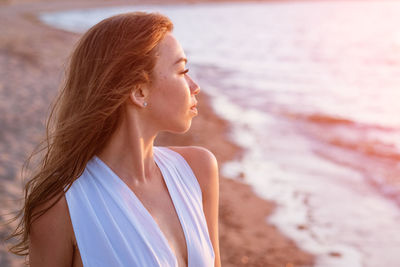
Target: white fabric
113, 228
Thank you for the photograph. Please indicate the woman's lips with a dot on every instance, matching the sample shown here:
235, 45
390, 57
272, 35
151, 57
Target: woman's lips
194, 109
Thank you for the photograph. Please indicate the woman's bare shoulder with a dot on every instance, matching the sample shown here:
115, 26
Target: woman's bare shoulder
51, 241
203, 163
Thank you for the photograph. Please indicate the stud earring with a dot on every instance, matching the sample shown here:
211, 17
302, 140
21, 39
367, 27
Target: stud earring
144, 104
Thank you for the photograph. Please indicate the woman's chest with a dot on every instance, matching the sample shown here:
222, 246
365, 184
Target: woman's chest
160, 206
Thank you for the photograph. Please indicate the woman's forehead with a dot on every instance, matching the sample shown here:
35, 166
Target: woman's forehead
170, 50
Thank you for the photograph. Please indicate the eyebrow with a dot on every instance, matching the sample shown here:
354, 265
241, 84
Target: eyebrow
180, 60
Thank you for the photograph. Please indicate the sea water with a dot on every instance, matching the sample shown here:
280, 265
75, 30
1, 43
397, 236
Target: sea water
312, 90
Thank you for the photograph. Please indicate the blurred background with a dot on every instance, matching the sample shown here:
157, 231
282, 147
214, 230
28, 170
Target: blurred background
308, 90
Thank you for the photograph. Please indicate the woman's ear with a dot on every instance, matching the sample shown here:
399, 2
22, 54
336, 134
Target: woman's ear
139, 95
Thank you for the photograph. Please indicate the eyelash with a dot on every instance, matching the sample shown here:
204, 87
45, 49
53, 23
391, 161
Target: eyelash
185, 71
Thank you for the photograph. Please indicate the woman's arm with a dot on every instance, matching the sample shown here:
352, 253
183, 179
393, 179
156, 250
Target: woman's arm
50, 237
205, 167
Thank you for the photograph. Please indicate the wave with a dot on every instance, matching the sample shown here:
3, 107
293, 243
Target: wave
347, 134
367, 148
373, 148
325, 119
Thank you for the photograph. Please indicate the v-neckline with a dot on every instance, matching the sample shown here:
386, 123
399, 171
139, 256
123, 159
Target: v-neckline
144, 209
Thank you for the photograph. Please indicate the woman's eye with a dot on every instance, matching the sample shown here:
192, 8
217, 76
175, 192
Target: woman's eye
185, 71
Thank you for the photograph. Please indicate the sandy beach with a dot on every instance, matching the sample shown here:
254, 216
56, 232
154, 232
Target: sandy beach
32, 56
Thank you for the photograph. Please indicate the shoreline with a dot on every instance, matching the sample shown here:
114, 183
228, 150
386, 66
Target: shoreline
29, 47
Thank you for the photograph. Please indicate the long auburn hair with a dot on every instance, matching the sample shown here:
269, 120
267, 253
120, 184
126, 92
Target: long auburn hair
110, 59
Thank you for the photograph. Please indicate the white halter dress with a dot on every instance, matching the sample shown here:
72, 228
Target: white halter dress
113, 228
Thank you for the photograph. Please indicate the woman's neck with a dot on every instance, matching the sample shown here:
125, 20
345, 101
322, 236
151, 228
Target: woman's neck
129, 152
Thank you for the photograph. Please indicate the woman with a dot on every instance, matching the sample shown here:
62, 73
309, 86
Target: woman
103, 195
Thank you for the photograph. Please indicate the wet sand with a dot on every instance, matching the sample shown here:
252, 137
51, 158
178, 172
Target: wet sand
32, 56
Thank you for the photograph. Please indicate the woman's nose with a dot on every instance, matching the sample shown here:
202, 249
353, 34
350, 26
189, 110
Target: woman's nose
194, 87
